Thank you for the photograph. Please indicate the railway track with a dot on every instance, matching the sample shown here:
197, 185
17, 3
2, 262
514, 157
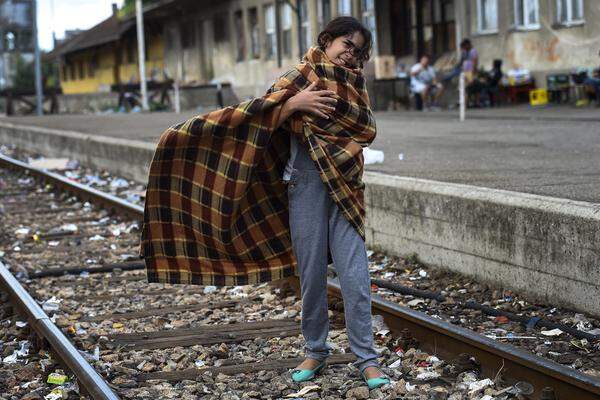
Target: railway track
101, 286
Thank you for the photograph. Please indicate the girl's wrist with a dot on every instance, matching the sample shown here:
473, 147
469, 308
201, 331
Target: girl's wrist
291, 103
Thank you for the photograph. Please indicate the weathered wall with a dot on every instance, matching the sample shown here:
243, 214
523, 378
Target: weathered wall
549, 49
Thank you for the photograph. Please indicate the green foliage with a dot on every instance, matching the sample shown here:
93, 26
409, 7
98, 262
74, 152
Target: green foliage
24, 77
129, 7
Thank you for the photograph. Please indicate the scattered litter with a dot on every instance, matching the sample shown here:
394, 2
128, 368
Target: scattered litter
304, 390
69, 228
509, 336
209, 289
115, 232
55, 394
53, 243
21, 324
415, 302
118, 183
396, 364
199, 363
55, 164
95, 180
372, 156
96, 238
382, 332
52, 304
23, 351
22, 232
553, 332
56, 378
10, 359
379, 324
91, 357
422, 273
401, 156
428, 375
475, 387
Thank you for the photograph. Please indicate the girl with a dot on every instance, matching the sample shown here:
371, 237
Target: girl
317, 223
217, 212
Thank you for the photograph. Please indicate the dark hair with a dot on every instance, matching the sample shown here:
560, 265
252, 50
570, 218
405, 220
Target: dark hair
465, 43
343, 26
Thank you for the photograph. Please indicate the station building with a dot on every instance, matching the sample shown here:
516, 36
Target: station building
248, 43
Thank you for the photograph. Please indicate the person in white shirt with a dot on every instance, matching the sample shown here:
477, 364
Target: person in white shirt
423, 81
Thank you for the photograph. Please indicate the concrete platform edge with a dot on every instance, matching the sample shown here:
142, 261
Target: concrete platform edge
124, 157
546, 248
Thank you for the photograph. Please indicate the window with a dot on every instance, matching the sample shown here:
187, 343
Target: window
487, 16
72, 71
81, 71
270, 38
323, 13
220, 29
344, 7
238, 22
188, 35
254, 33
286, 29
65, 72
569, 11
93, 64
368, 19
527, 14
305, 33
130, 52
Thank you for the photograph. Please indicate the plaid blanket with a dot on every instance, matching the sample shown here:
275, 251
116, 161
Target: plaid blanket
216, 209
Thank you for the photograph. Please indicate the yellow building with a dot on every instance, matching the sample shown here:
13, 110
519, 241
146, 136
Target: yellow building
104, 56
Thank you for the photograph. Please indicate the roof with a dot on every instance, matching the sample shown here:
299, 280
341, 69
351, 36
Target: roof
107, 31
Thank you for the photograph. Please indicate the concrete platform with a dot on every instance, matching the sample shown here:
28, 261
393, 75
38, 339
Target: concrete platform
510, 201
549, 151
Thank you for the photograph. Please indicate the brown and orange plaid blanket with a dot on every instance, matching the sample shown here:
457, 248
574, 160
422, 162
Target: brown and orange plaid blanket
216, 208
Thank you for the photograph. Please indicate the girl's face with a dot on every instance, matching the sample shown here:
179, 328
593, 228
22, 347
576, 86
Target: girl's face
343, 49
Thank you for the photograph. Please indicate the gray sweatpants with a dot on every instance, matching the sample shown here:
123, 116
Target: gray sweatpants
315, 223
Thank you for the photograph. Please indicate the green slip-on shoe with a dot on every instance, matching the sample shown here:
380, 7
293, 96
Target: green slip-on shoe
375, 383
302, 375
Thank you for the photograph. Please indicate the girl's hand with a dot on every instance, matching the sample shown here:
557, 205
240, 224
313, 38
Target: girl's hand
318, 102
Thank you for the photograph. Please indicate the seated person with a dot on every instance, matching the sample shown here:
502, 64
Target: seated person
494, 79
424, 83
592, 85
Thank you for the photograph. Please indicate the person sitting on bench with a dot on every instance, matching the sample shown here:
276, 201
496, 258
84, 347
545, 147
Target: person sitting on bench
424, 85
592, 85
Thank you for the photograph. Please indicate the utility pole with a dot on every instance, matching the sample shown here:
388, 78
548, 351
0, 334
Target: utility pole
141, 53
458, 20
38, 66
